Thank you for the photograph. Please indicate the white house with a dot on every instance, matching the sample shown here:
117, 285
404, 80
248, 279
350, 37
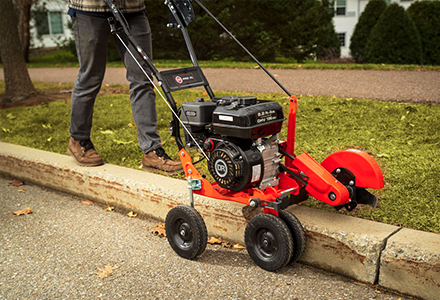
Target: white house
347, 14
51, 27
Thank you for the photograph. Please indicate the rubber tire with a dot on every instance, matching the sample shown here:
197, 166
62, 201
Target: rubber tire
298, 234
187, 218
278, 253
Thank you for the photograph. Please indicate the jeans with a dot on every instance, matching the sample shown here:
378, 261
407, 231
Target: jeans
91, 34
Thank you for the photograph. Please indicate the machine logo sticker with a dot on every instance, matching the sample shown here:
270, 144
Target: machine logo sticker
221, 168
179, 79
184, 78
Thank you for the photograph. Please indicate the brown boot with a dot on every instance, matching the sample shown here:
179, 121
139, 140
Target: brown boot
84, 152
159, 160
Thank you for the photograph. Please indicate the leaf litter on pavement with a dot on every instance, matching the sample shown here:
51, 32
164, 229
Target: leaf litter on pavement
16, 183
106, 271
24, 212
159, 230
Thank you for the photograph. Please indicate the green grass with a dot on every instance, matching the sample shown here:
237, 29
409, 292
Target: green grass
404, 138
64, 58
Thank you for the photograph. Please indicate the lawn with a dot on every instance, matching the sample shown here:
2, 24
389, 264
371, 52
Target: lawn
64, 58
404, 138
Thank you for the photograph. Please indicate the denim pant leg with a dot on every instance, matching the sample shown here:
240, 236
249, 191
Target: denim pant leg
142, 95
91, 34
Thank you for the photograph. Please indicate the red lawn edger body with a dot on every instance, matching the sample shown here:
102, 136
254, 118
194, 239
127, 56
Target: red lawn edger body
240, 138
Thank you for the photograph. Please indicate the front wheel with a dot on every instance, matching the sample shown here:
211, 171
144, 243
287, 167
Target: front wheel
268, 242
186, 231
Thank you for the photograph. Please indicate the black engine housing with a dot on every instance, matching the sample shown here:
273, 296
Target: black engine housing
227, 128
234, 168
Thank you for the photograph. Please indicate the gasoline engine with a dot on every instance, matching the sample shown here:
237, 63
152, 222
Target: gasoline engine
240, 136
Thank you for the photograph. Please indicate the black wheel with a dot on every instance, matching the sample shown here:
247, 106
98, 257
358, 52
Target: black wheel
186, 231
298, 234
268, 242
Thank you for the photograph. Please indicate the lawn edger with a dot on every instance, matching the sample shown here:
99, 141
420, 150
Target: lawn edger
240, 139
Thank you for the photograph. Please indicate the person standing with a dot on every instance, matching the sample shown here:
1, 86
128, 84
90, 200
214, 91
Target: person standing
91, 31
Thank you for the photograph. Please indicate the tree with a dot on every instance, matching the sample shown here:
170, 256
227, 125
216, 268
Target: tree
426, 17
394, 39
24, 17
292, 28
17, 81
363, 29
328, 45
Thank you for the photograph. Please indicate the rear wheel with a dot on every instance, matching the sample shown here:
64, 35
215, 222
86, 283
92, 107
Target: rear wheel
186, 231
298, 234
268, 242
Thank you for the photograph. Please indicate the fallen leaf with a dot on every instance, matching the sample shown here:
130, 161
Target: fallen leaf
10, 116
213, 240
159, 230
227, 245
105, 272
107, 132
132, 214
238, 246
109, 208
119, 142
87, 202
21, 191
16, 183
23, 211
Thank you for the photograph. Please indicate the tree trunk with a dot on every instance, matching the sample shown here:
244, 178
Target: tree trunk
17, 81
24, 18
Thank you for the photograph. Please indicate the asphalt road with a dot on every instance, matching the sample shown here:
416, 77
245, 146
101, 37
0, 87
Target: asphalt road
408, 86
54, 252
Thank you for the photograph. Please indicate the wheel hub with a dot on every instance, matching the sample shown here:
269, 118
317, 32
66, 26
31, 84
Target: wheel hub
184, 230
266, 242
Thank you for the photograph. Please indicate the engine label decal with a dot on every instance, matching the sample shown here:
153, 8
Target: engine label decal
266, 116
226, 118
256, 173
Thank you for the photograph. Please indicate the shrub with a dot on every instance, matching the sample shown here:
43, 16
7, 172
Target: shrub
426, 17
290, 28
363, 28
394, 39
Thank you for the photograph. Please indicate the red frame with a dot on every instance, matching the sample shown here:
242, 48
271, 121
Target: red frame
320, 182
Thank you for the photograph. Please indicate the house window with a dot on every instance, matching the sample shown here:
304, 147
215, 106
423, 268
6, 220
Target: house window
341, 37
49, 23
340, 7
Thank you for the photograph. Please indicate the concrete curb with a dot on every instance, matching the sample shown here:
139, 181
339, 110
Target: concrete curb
404, 260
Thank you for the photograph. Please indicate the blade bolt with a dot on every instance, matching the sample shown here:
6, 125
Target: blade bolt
332, 196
